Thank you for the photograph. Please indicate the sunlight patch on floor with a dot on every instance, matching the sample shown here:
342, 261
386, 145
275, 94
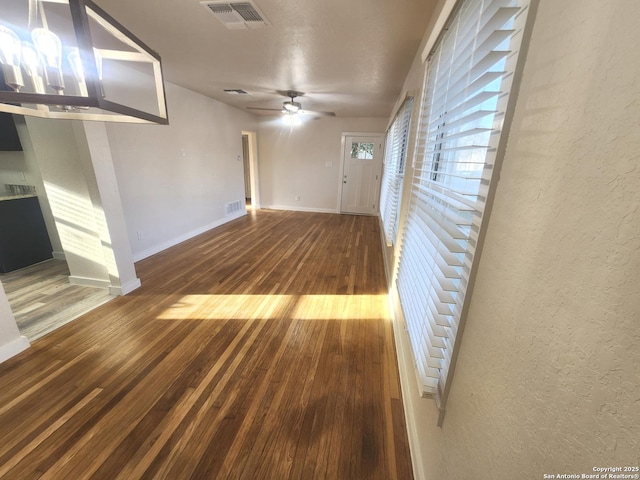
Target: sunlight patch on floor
341, 307
303, 307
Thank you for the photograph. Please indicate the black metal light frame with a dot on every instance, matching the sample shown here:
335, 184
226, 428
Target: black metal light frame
11, 101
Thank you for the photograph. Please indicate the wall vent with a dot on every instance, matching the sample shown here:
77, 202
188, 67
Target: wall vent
232, 208
237, 15
236, 91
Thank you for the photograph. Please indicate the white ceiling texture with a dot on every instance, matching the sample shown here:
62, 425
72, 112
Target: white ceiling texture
346, 56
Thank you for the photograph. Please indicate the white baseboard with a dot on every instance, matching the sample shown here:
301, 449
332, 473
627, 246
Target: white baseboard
300, 209
414, 404
124, 289
59, 255
13, 348
137, 256
408, 401
89, 282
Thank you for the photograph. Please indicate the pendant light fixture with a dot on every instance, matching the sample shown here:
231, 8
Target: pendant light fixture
69, 59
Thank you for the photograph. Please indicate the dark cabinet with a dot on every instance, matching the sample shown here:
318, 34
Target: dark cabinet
23, 235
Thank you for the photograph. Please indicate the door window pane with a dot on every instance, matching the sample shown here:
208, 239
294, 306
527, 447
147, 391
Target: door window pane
361, 150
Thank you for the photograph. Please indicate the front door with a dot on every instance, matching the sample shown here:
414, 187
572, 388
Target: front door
362, 160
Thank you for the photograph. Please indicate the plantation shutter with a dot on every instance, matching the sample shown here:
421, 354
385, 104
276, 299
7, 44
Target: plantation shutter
465, 95
394, 162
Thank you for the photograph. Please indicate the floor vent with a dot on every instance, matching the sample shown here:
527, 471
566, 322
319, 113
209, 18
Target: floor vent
237, 15
233, 207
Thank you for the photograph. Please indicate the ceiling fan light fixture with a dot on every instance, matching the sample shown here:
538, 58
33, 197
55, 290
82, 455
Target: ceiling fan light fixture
291, 106
291, 119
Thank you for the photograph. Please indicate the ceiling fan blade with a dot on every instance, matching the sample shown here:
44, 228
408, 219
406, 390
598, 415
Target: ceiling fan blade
266, 109
317, 113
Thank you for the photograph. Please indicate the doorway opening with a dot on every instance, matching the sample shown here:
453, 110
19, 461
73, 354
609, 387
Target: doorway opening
42, 299
250, 166
247, 171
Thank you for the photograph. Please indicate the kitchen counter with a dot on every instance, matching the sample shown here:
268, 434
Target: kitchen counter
15, 197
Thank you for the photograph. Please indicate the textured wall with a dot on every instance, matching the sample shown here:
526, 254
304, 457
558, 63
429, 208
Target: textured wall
548, 379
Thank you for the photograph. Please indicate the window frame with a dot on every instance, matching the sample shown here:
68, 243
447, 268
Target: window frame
477, 229
394, 166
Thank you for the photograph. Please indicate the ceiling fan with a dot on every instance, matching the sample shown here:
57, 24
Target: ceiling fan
291, 107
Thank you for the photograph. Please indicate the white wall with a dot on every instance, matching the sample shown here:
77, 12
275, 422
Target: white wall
13, 171
292, 161
61, 162
175, 180
11, 342
548, 378
99, 172
77, 173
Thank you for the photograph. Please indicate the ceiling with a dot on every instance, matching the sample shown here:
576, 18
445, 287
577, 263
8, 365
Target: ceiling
347, 56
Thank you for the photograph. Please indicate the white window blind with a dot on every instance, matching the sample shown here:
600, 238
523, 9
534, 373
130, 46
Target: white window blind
395, 156
465, 96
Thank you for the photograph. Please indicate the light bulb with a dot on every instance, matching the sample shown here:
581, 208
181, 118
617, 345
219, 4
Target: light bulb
78, 70
10, 58
291, 119
32, 67
9, 47
49, 49
30, 61
76, 64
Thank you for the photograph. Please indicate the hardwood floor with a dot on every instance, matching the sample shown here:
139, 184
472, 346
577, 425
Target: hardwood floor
42, 299
260, 350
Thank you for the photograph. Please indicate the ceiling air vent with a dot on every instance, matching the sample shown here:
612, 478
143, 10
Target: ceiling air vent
236, 91
237, 15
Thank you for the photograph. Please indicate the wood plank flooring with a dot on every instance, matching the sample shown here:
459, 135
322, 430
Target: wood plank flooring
42, 299
262, 349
